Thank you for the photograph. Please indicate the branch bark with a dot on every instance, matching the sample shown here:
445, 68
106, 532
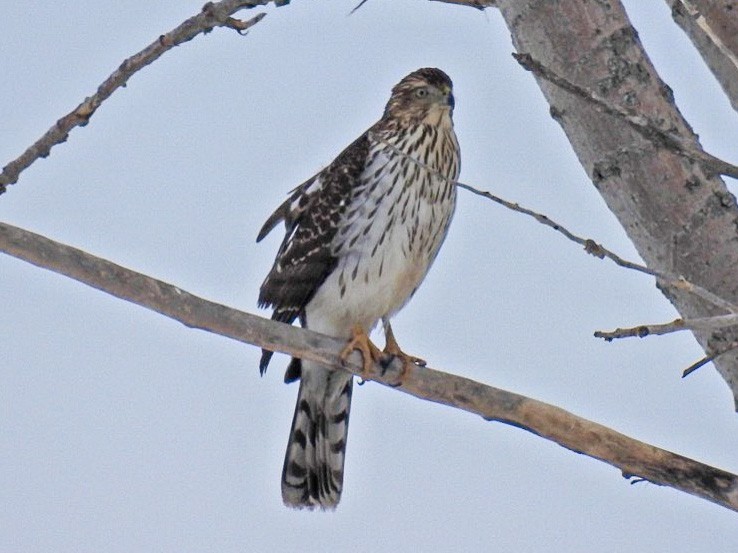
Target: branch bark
213, 14
478, 4
679, 215
677, 325
632, 457
712, 26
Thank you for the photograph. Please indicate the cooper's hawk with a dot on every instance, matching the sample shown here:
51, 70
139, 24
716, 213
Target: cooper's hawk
361, 236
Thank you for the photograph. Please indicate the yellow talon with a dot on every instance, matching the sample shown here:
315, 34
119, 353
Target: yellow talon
369, 352
392, 348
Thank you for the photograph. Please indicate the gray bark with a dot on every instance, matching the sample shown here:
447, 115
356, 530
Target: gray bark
713, 28
680, 218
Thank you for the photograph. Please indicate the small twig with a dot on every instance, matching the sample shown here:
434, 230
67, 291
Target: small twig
358, 6
478, 4
704, 323
590, 246
241, 26
632, 457
639, 123
213, 14
708, 359
698, 365
677, 325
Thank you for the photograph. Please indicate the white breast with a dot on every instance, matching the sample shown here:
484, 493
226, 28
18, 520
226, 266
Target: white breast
386, 244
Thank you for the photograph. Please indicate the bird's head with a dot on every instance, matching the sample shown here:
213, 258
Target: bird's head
424, 96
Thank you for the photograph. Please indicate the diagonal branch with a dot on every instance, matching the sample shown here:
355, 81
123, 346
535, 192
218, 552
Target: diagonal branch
638, 122
632, 457
590, 246
598, 250
478, 4
712, 27
213, 14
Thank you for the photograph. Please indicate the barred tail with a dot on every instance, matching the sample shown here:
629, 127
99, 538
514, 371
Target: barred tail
313, 466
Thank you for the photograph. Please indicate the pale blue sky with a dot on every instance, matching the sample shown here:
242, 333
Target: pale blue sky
125, 431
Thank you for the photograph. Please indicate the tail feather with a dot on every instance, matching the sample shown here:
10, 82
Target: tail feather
313, 467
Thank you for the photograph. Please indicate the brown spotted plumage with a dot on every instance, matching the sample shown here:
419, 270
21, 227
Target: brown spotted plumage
360, 237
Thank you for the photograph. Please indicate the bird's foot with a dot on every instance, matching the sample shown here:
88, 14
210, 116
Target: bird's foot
392, 351
369, 352
392, 348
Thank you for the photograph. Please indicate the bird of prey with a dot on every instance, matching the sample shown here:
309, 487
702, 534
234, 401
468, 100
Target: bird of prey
360, 237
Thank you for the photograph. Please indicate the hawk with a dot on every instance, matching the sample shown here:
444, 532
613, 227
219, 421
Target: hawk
360, 237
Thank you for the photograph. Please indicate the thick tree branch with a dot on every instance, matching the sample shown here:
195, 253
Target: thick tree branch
713, 28
632, 457
213, 14
638, 122
677, 212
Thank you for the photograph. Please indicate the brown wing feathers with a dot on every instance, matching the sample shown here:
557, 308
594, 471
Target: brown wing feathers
306, 256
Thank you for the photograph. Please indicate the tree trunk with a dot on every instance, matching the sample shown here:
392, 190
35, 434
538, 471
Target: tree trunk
680, 218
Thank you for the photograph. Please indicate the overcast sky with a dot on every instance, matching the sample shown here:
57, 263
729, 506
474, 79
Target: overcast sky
121, 430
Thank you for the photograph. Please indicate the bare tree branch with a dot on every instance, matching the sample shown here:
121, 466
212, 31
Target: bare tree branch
677, 325
478, 4
639, 122
713, 28
213, 14
679, 215
598, 250
709, 359
590, 246
632, 457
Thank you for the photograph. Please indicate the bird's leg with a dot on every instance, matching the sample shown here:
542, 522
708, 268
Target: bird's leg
369, 352
392, 348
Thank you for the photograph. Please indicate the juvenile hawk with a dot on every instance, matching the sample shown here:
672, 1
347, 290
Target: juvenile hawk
361, 236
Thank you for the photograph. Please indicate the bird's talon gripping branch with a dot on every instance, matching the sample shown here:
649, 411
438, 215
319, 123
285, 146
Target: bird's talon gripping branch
392, 348
369, 352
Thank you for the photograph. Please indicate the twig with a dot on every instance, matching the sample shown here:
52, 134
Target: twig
590, 246
359, 5
639, 123
241, 26
708, 359
632, 457
704, 323
677, 325
213, 14
478, 4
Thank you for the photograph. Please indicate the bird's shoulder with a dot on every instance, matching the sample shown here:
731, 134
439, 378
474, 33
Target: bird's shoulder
328, 189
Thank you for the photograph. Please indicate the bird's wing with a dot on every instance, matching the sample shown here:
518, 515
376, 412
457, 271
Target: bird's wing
300, 199
312, 215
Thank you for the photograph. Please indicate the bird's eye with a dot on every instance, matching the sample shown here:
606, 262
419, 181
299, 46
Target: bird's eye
421, 92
